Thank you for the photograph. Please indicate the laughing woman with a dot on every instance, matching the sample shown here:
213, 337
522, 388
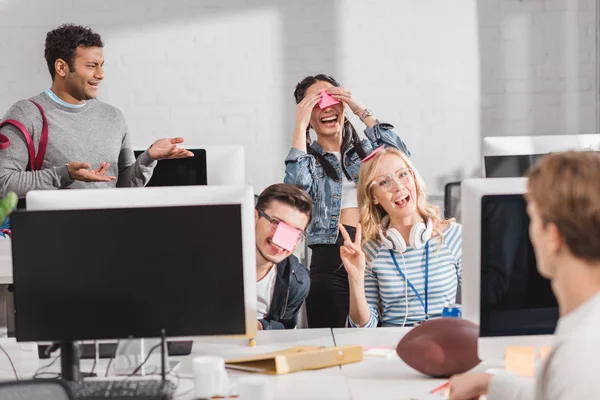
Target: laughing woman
328, 170
411, 263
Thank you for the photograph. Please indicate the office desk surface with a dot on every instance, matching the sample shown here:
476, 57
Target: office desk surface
373, 378
329, 383
377, 378
6, 275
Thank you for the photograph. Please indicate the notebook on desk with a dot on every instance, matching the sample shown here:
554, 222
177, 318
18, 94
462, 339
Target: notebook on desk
300, 358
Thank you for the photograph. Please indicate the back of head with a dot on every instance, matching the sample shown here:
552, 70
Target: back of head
289, 194
566, 192
62, 42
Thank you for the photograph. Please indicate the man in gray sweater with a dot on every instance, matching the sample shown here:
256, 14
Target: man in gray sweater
563, 202
88, 143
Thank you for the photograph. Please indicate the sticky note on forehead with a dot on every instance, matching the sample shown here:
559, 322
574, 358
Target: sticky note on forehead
286, 236
327, 99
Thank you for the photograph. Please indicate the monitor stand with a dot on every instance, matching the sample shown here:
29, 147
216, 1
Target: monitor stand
69, 361
70, 354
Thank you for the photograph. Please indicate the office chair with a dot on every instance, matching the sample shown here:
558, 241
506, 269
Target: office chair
35, 390
452, 210
452, 200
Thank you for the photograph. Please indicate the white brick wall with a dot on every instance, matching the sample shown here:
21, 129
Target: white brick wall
220, 71
539, 66
224, 71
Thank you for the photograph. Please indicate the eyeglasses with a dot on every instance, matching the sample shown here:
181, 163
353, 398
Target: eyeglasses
275, 223
386, 182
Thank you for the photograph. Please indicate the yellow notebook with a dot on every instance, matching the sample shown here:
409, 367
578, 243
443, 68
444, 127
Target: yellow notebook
299, 358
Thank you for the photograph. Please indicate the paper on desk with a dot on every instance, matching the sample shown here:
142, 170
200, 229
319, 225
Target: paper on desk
327, 99
520, 360
544, 351
385, 353
286, 236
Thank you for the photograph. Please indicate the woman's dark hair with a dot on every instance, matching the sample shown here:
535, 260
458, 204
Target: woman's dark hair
63, 41
349, 136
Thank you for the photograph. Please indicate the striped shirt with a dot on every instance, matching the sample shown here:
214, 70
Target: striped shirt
386, 288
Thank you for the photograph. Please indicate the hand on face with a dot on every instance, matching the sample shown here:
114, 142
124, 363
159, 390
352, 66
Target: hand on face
304, 110
326, 121
164, 149
79, 171
345, 96
352, 255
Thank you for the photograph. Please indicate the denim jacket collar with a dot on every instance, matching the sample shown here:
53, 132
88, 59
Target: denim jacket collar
303, 170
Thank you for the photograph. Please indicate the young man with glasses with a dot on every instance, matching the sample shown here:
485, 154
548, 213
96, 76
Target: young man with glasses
283, 212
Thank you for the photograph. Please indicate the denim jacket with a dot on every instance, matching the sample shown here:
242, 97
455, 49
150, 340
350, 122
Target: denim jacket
302, 169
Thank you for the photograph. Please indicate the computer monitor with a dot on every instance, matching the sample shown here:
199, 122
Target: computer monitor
179, 171
129, 262
502, 291
224, 164
512, 156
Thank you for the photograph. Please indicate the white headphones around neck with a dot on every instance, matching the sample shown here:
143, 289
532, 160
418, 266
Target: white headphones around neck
420, 233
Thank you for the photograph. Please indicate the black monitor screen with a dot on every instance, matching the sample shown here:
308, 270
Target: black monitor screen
117, 273
513, 166
180, 171
515, 298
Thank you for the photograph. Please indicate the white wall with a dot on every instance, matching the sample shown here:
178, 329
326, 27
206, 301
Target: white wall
539, 66
224, 71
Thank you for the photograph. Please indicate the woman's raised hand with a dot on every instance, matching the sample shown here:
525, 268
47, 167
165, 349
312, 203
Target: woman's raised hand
352, 255
304, 111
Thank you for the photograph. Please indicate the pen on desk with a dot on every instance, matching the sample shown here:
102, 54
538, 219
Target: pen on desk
440, 388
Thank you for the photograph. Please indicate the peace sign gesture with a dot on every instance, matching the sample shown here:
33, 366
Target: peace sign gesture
352, 255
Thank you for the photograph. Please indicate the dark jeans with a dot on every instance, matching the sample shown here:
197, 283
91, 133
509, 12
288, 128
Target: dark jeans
328, 301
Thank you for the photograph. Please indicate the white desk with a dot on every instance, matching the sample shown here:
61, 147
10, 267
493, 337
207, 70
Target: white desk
6, 275
329, 383
381, 379
372, 378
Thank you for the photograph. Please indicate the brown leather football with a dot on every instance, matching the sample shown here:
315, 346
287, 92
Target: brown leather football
441, 347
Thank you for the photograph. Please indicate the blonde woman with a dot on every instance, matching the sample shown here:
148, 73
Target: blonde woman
411, 263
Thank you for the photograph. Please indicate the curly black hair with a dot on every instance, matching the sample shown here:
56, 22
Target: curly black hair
62, 42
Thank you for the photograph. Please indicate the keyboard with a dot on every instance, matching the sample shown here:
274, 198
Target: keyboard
122, 390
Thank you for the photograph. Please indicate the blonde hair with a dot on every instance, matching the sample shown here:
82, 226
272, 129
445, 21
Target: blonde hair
372, 215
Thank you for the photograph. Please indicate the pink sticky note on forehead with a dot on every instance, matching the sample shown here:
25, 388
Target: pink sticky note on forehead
327, 99
286, 236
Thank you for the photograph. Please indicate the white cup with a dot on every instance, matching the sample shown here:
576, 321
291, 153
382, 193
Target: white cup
210, 377
255, 387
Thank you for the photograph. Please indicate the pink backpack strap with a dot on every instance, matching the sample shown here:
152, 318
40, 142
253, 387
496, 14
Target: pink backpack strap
39, 158
35, 161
